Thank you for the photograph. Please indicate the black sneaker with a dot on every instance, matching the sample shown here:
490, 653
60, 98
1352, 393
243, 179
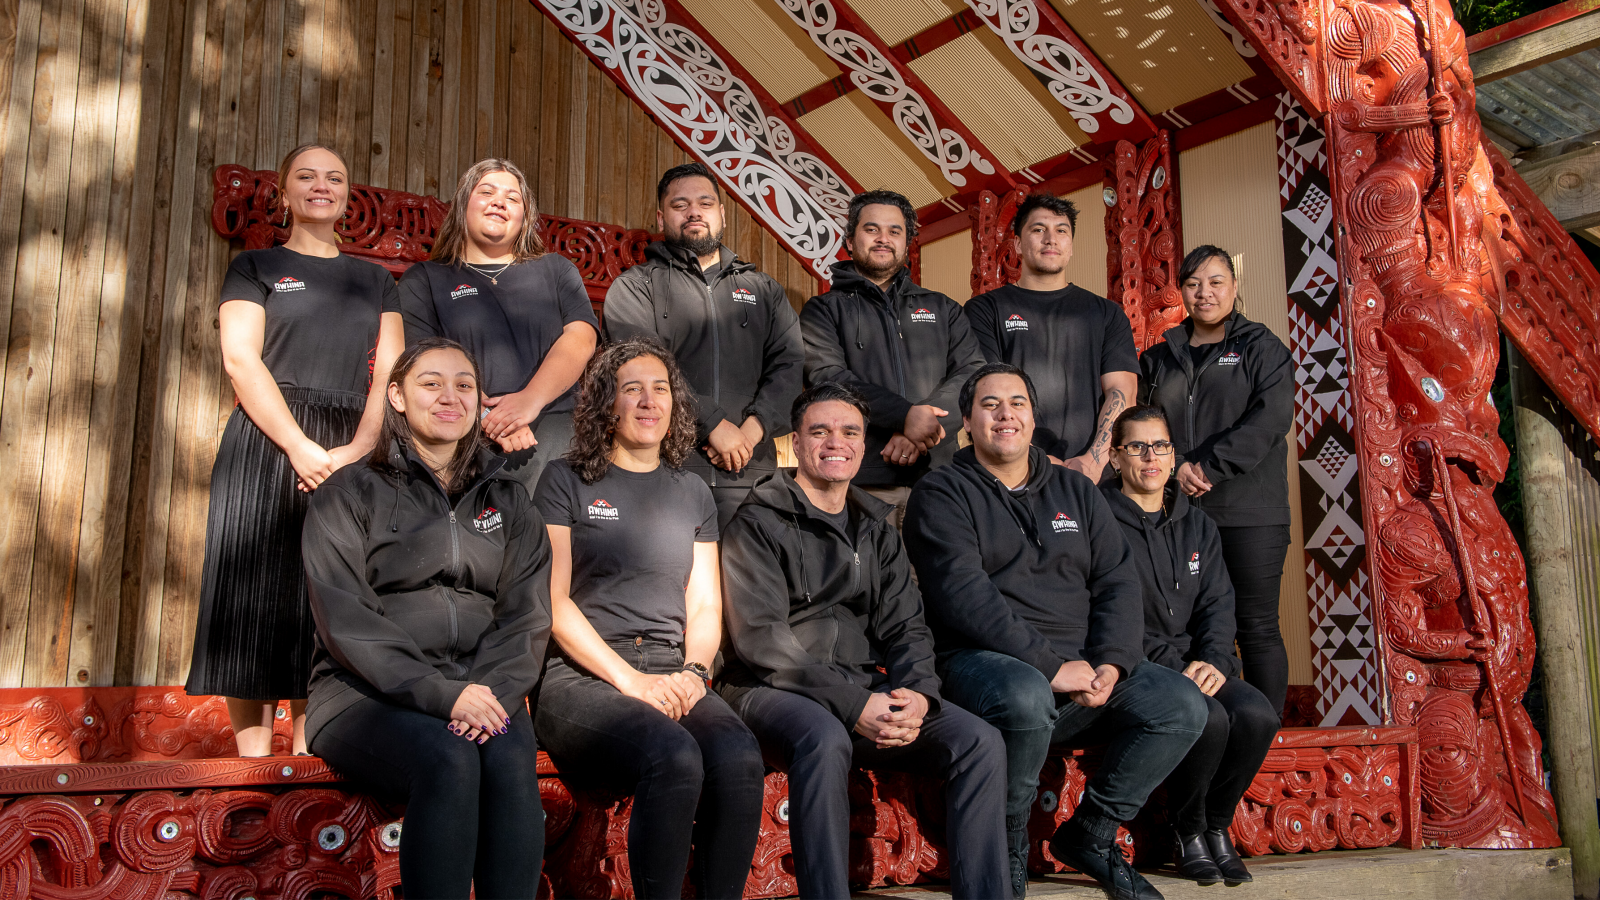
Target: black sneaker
1108, 867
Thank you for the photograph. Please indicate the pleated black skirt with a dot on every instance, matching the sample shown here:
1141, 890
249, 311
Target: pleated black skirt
254, 636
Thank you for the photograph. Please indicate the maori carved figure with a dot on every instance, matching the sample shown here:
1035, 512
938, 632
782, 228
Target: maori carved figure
994, 259
1423, 345
1144, 236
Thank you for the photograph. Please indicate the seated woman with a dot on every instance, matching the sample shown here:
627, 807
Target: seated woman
429, 576
1189, 627
637, 616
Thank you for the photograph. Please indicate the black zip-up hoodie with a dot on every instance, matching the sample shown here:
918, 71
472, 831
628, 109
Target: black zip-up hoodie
829, 615
1188, 599
415, 597
902, 349
1230, 415
1042, 574
736, 338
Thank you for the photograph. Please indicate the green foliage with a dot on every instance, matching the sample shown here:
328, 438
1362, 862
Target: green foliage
1482, 15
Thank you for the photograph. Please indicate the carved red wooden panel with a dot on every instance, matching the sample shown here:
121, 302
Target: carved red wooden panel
1423, 346
1288, 36
396, 229
994, 258
1144, 236
1548, 296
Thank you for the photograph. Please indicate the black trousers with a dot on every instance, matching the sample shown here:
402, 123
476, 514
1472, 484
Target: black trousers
1254, 557
1204, 790
698, 778
808, 742
473, 817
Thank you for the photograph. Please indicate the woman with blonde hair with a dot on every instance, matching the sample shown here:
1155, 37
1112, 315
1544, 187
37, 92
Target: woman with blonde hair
308, 337
521, 311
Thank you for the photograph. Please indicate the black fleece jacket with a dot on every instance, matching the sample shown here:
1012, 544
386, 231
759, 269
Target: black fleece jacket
1042, 574
415, 596
829, 615
1230, 415
735, 336
1188, 599
901, 349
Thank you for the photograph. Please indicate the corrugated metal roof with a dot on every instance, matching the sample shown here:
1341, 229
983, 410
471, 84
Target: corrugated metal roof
1554, 102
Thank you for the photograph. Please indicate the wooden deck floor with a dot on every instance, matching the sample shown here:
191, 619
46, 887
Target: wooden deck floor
1343, 875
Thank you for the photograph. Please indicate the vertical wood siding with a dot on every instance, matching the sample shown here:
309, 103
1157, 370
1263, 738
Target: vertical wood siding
114, 113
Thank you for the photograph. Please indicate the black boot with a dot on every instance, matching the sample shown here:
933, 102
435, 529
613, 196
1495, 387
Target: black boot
1227, 859
1105, 864
1194, 860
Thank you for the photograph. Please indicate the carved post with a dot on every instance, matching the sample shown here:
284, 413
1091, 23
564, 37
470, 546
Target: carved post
1144, 236
994, 262
1541, 453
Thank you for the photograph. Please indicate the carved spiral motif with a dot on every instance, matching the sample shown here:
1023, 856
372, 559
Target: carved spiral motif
1066, 72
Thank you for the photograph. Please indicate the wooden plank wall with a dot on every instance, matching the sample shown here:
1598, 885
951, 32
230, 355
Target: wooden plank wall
114, 113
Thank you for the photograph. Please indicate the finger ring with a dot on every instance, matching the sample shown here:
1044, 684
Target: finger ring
662, 702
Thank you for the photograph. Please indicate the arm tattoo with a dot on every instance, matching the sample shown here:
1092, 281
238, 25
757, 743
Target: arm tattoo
1115, 402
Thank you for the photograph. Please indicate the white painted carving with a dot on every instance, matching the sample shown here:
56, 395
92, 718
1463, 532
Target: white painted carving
670, 71
1067, 74
880, 79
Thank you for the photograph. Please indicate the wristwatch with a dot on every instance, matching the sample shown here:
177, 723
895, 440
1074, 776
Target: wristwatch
700, 670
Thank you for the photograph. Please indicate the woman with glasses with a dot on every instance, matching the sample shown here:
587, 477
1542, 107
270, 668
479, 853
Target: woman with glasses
1189, 627
1226, 385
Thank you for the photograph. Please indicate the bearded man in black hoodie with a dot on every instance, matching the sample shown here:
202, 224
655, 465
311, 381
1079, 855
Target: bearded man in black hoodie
1039, 618
832, 665
731, 328
903, 347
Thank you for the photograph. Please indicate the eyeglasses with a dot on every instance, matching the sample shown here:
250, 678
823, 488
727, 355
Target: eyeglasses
1137, 448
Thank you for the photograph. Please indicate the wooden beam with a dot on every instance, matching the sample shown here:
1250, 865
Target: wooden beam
1569, 186
1562, 39
1528, 24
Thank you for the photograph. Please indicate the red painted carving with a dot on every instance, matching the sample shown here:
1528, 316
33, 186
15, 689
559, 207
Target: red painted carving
1286, 35
111, 724
1144, 237
1422, 342
396, 229
994, 259
1548, 296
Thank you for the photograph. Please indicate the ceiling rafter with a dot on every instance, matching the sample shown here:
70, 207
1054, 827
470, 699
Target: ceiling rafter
657, 54
913, 108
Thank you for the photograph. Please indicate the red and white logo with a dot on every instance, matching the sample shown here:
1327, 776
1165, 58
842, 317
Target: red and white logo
1063, 522
289, 283
740, 295
923, 314
1016, 323
462, 290
488, 520
1194, 564
600, 509
1229, 359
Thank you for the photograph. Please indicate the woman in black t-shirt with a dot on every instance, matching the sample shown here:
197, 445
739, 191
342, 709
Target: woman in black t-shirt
522, 312
308, 337
636, 605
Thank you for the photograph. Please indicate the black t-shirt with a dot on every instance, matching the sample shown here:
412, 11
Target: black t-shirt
508, 326
322, 314
633, 537
1197, 353
1065, 340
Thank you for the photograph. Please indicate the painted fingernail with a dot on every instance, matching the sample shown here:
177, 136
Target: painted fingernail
508, 720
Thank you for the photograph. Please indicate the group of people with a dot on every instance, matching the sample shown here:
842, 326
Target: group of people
466, 520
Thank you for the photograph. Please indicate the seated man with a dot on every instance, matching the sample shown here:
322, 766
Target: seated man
832, 664
1039, 620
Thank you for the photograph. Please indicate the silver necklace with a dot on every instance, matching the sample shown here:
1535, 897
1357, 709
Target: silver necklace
494, 278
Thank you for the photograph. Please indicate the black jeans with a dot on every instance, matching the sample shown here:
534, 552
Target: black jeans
473, 817
802, 738
1153, 717
698, 778
1204, 790
1254, 557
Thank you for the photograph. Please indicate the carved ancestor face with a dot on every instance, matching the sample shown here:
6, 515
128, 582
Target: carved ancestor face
1045, 244
1209, 292
495, 212
318, 188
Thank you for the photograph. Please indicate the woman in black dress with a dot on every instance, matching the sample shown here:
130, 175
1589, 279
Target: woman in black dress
1227, 386
308, 336
429, 576
522, 312
636, 604
1189, 628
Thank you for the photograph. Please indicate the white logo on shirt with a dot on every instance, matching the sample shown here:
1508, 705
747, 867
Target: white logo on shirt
923, 314
487, 521
289, 283
462, 290
1063, 522
1016, 323
600, 509
740, 295
1229, 359
1194, 564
